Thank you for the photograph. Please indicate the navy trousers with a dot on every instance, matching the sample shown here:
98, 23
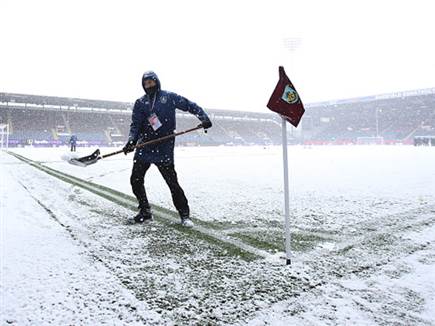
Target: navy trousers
167, 170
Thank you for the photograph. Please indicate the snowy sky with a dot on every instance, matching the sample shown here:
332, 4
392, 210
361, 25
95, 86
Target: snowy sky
221, 54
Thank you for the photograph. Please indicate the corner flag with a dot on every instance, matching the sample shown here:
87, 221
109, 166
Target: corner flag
285, 100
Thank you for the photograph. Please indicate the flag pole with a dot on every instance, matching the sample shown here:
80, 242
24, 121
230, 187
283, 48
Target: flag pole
286, 192
286, 102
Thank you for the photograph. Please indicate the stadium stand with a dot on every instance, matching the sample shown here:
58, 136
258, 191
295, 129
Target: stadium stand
405, 118
50, 121
396, 118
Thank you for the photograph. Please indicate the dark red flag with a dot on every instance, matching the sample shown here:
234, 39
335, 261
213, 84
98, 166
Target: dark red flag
285, 100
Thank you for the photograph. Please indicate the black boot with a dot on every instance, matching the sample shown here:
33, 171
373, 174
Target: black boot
144, 215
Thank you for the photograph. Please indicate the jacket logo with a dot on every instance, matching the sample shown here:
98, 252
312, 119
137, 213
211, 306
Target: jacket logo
163, 99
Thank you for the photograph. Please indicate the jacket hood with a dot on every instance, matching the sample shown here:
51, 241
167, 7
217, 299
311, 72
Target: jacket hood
151, 75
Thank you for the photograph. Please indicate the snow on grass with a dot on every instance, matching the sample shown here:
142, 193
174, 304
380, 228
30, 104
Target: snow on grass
362, 222
180, 278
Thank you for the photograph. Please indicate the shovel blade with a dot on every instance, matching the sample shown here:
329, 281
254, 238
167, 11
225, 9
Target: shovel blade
86, 160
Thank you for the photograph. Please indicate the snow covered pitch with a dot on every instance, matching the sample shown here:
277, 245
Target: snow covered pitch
362, 222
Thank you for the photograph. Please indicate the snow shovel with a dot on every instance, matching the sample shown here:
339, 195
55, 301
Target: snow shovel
95, 156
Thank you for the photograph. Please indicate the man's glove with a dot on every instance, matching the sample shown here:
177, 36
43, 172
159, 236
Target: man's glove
129, 147
206, 124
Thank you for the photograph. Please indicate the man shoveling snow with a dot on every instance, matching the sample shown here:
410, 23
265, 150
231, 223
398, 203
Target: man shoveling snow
153, 117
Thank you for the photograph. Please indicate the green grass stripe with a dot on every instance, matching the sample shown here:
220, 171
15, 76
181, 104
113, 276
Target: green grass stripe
201, 231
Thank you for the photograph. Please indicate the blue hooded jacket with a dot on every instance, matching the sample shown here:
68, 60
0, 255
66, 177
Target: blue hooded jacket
73, 140
162, 104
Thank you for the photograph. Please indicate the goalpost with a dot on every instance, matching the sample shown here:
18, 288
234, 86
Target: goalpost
4, 136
